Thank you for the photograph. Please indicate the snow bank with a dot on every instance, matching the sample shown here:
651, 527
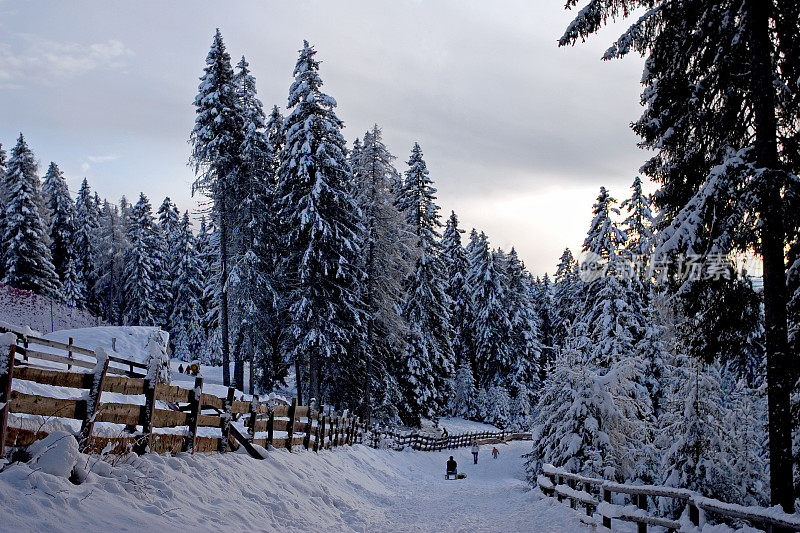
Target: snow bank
348, 489
55, 454
26, 308
130, 342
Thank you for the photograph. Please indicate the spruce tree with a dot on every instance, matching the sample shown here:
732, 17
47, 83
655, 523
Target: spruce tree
386, 262
567, 289
169, 228
187, 328
216, 141
491, 325
322, 236
455, 259
86, 228
28, 264
721, 114
62, 223
140, 283
428, 358
3, 201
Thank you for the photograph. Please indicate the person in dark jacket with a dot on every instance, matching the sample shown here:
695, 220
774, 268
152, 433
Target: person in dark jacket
452, 466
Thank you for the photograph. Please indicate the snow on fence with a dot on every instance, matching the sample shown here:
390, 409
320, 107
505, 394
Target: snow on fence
186, 411
32, 347
595, 495
379, 437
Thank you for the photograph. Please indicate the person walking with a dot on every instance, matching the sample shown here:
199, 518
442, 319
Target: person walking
475, 450
495, 452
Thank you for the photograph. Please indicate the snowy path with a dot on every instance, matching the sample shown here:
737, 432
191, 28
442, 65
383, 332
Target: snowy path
494, 497
354, 489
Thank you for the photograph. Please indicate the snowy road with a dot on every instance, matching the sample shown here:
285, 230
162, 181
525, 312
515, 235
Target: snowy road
494, 497
354, 489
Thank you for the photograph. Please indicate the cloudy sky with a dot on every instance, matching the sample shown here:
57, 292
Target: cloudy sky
518, 134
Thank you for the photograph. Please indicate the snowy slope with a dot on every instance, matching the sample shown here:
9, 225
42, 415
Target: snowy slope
348, 489
25, 308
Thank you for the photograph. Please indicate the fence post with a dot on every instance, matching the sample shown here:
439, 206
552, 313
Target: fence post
607, 499
251, 422
694, 514
69, 354
92, 404
226, 420
309, 428
194, 415
319, 435
641, 503
5, 396
290, 429
143, 443
270, 425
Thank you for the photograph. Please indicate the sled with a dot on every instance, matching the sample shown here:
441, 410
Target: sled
451, 475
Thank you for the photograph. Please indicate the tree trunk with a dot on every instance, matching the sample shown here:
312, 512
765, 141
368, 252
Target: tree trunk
298, 376
772, 236
223, 300
238, 361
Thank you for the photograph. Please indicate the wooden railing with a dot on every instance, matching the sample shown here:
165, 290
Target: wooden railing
596, 495
32, 347
188, 408
425, 442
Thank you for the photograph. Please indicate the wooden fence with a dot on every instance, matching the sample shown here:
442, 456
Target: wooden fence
426, 442
187, 408
595, 495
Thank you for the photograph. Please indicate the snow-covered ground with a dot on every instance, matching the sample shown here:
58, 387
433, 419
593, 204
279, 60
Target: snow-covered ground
26, 308
347, 489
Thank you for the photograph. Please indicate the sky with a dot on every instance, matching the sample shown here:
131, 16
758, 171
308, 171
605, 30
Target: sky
517, 133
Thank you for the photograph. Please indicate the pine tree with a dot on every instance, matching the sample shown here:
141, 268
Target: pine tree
428, 357
567, 288
113, 244
721, 114
491, 325
455, 259
167, 256
140, 267
208, 255
62, 226
216, 142
638, 225
86, 234
187, 328
322, 236
463, 401
3, 201
387, 261
28, 264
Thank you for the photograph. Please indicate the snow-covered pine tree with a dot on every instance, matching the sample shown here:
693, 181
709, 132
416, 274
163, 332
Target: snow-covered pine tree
428, 358
463, 401
499, 407
168, 226
62, 225
208, 255
491, 326
721, 115
543, 302
638, 226
113, 245
187, 333
140, 283
3, 201
526, 349
86, 237
28, 264
567, 289
252, 285
322, 235
387, 261
455, 260
216, 142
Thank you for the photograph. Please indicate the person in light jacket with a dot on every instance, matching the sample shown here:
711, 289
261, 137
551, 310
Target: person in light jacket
475, 450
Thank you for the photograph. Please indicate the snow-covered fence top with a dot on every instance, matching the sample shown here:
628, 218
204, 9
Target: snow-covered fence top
31, 347
171, 419
382, 437
586, 491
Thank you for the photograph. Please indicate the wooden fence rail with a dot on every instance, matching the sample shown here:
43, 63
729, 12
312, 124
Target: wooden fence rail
32, 347
596, 495
425, 442
191, 409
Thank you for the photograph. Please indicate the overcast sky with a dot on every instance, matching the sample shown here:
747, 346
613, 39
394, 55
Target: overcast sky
518, 134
